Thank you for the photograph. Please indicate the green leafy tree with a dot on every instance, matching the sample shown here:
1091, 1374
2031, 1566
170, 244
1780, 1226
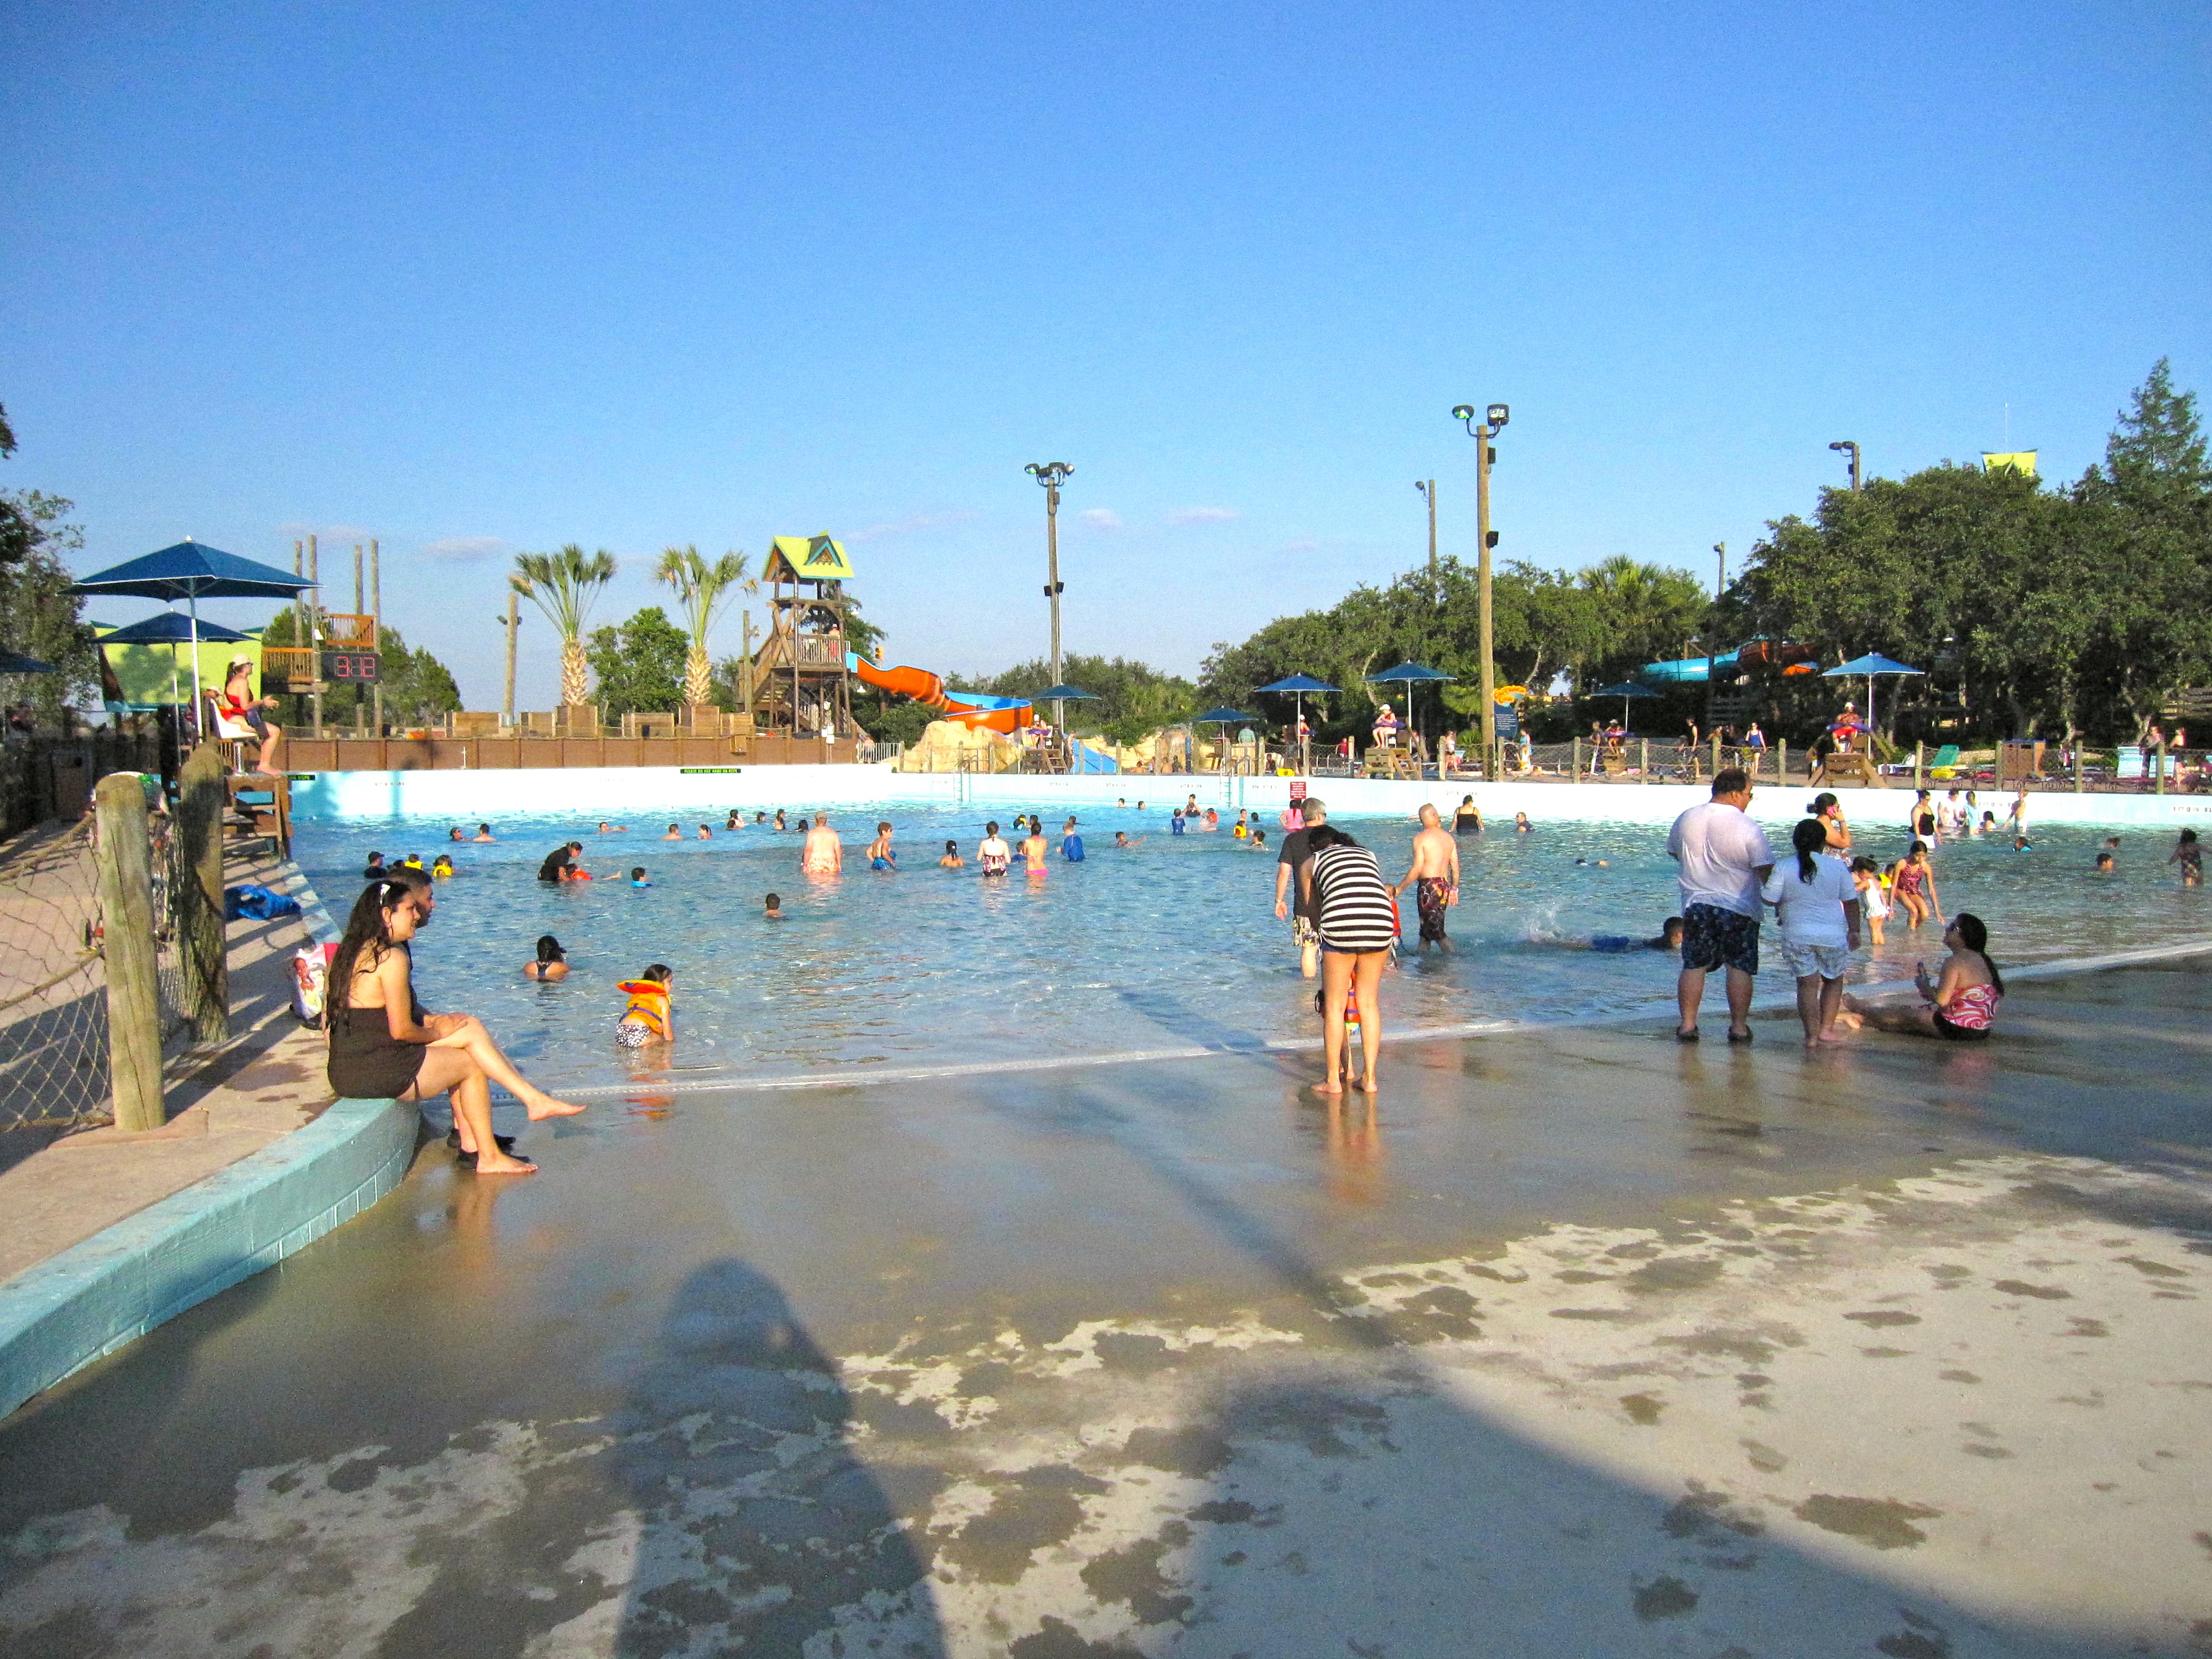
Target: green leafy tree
640, 665
39, 616
565, 586
702, 590
1133, 698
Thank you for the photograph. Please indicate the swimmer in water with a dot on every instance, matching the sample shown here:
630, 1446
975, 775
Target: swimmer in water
674, 834
454, 833
650, 1017
1123, 839
772, 908
952, 860
705, 834
2190, 857
1258, 843
1071, 843
780, 823
441, 867
483, 833
824, 855
1033, 851
1521, 824
1615, 945
552, 962
606, 829
2104, 864
880, 855
1242, 827
637, 876
994, 855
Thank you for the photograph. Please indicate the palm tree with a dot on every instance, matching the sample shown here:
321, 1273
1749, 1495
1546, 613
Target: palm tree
563, 584
702, 590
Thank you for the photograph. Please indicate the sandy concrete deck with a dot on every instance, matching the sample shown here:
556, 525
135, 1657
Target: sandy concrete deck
1585, 1344
223, 1104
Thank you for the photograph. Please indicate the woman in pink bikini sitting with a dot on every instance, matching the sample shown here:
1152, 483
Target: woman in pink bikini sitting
1961, 1004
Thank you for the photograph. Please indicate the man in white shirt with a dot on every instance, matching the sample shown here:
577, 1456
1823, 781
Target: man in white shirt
1724, 859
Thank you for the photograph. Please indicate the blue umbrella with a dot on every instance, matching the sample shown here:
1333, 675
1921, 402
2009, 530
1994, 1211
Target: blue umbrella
12, 664
192, 571
1298, 685
1872, 664
1624, 690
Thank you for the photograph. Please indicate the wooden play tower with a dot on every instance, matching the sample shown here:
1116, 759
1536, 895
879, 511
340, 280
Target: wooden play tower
800, 686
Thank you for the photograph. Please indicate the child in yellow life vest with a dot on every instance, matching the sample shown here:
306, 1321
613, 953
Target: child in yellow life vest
649, 1018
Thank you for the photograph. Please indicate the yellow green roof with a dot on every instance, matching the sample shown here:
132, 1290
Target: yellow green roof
807, 559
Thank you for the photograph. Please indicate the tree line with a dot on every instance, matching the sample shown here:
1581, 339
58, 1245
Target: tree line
2036, 610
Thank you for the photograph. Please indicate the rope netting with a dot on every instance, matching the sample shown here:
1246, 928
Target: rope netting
53, 986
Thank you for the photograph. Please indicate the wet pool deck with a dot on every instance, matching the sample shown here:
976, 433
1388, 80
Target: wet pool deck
1586, 1343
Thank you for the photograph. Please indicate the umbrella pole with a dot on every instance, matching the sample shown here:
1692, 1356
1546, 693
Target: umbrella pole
192, 600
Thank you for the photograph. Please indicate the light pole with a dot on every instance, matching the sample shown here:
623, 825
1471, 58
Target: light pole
1493, 421
1428, 488
1713, 632
1052, 475
513, 623
1851, 449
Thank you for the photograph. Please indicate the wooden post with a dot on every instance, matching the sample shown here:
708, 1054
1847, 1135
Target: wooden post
126, 906
1782, 763
315, 633
1576, 773
1643, 760
2078, 784
376, 609
1716, 751
2160, 758
1919, 756
203, 793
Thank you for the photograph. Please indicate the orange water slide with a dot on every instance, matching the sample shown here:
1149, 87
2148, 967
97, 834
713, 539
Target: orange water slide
962, 708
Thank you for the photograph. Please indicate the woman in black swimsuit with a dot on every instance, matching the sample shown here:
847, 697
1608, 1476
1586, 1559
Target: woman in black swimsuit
383, 1047
1466, 820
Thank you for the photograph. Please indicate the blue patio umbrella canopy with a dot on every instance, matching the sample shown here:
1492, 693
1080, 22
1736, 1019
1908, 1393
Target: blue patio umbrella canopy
1298, 686
168, 628
12, 664
1624, 690
1870, 664
1221, 717
1064, 693
192, 571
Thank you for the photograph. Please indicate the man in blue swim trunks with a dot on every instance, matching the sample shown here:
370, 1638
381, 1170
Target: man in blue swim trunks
1724, 859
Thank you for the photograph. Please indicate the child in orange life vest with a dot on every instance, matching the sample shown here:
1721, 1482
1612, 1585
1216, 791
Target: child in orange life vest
649, 1018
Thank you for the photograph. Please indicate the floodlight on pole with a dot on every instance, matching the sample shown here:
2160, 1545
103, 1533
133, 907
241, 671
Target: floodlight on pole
1052, 475
1493, 419
1847, 447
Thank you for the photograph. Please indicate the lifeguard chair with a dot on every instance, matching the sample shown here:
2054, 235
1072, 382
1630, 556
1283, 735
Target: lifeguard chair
801, 685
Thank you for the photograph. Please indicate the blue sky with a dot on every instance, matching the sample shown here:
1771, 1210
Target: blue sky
473, 279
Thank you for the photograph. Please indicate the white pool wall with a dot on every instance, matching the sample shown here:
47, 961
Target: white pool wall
468, 797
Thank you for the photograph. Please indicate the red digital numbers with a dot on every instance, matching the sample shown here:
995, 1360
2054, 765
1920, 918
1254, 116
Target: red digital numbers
351, 667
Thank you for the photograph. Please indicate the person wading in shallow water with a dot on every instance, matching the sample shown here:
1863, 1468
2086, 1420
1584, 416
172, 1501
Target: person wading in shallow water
1293, 897
824, 855
1434, 877
1724, 858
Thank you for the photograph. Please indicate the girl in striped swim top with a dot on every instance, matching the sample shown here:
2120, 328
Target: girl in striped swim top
650, 1017
1353, 915
1962, 1002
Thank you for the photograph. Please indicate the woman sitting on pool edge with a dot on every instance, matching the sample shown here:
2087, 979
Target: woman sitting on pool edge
1961, 1003
383, 1047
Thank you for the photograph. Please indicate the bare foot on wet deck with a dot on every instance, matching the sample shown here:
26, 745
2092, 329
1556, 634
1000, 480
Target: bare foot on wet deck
498, 1162
546, 1106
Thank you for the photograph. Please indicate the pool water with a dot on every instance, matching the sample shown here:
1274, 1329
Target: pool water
1170, 944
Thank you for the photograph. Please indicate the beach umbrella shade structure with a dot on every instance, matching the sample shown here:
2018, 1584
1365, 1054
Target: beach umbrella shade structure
1624, 690
1223, 718
1298, 687
1413, 674
1871, 665
192, 571
12, 664
169, 629
1058, 695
